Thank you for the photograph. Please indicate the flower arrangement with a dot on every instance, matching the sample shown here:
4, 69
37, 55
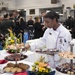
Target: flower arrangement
10, 39
41, 67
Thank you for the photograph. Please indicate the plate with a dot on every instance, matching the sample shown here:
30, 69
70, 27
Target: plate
13, 68
48, 52
66, 69
14, 57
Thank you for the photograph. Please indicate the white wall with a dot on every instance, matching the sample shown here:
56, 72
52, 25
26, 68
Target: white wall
68, 3
11, 4
36, 4
29, 4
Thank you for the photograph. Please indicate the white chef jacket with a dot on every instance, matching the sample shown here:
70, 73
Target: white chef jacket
58, 39
54, 39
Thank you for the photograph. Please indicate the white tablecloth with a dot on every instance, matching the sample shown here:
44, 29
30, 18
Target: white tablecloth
30, 41
32, 57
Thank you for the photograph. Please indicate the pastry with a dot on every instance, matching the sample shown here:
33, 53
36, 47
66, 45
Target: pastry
10, 67
7, 69
72, 73
69, 72
18, 70
23, 66
13, 70
71, 56
17, 57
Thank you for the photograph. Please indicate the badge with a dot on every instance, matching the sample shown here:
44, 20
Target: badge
50, 33
65, 40
60, 40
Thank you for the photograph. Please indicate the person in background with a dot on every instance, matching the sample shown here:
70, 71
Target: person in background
73, 29
17, 16
22, 26
1, 19
69, 22
42, 21
30, 24
6, 24
56, 37
13, 21
11, 16
42, 17
2, 37
38, 32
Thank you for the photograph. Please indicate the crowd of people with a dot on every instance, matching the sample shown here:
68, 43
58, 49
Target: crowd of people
70, 24
47, 26
16, 22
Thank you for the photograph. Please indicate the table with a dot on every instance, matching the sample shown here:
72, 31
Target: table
30, 41
32, 57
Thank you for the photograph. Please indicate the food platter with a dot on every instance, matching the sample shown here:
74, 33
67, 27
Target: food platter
14, 57
15, 68
67, 55
14, 49
18, 46
66, 69
48, 52
11, 51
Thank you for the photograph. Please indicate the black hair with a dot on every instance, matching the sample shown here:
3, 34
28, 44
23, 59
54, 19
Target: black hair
11, 14
43, 12
6, 15
15, 11
52, 15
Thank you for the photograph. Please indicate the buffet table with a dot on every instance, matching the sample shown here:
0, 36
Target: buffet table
32, 57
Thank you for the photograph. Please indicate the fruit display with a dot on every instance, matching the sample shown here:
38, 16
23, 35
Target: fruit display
13, 68
15, 57
66, 68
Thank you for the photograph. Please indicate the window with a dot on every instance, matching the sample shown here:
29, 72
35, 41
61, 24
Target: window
54, 1
32, 11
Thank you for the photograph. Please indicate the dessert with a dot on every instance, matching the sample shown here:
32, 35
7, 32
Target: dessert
7, 69
10, 67
13, 51
49, 52
18, 70
14, 57
13, 69
67, 55
66, 68
12, 48
18, 46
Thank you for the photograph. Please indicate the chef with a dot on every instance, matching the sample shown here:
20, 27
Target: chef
56, 37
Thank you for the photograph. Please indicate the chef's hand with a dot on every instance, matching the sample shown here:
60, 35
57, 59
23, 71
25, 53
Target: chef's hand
27, 46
